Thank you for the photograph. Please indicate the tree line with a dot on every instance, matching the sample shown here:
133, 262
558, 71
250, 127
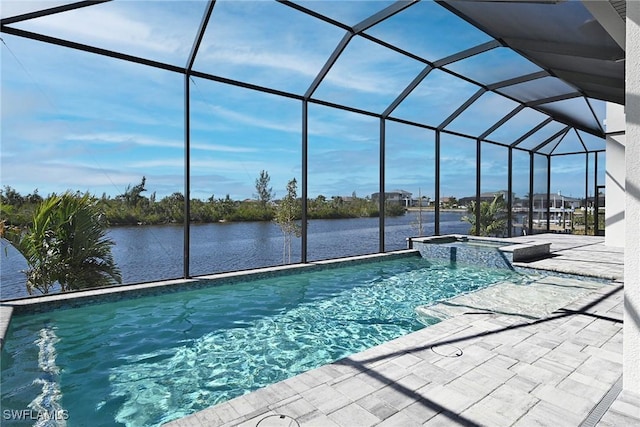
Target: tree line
64, 240
136, 206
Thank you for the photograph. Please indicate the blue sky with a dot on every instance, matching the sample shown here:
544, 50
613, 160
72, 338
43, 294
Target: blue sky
72, 120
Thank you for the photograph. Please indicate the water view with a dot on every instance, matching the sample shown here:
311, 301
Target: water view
148, 253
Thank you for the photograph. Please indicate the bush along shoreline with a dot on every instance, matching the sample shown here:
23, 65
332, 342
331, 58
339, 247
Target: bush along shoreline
135, 208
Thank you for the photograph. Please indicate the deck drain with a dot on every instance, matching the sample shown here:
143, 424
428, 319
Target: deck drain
447, 350
278, 420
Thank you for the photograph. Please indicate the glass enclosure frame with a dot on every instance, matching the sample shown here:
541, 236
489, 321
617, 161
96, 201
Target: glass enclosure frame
539, 149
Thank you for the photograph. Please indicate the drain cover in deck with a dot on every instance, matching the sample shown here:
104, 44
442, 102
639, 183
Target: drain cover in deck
278, 420
447, 350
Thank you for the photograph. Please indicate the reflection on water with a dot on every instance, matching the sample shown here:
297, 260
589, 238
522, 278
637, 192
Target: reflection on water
147, 253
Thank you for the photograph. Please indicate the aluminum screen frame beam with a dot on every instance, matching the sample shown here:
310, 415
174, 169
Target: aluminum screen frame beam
379, 17
531, 190
500, 122
510, 192
304, 190
91, 49
548, 192
564, 49
381, 185
595, 116
351, 32
50, 11
517, 80
437, 185
461, 109
390, 11
547, 141
531, 132
559, 142
476, 50
407, 91
556, 98
531, 39
357, 30
478, 213
186, 242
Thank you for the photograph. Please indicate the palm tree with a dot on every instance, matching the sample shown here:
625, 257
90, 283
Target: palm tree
493, 217
67, 244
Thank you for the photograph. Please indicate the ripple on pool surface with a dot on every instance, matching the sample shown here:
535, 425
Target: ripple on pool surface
151, 360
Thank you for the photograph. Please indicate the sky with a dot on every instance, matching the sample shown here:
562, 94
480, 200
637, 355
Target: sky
77, 121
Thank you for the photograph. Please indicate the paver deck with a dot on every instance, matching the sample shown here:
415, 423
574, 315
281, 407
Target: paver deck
479, 368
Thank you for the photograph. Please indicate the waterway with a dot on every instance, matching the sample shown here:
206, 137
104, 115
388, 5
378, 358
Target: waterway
148, 253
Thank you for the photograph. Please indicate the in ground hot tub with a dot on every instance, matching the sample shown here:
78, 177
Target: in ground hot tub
485, 251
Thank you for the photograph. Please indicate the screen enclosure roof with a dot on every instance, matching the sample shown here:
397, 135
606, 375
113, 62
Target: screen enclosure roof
531, 75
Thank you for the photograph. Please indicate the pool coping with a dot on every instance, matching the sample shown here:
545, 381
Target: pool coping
49, 302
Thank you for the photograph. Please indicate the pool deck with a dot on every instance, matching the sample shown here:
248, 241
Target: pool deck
474, 369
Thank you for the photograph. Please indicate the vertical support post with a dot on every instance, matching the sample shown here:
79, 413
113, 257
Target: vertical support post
531, 190
586, 194
437, 189
478, 186
510, 193
187, 177
305, 180
548, 193
595, 194
187, 136
381, 199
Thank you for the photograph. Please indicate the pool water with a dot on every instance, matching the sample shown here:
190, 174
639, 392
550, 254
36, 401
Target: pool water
146, 361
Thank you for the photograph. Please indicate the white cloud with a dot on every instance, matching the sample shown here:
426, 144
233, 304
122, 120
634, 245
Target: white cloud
213, 165
15, 8
148, 141
58, 176
250, 119
107, 25
299, 63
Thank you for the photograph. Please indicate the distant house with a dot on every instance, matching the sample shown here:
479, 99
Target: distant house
558, 211
399, 197
556, 201
449, 202
484, 197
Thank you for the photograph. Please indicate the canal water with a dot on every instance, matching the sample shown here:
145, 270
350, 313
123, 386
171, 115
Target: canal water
148, 253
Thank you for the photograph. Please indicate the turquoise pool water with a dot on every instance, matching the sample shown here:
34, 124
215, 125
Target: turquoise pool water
146, 361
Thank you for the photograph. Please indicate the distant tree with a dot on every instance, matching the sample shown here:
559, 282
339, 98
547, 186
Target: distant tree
34, 198
9, 196
133, 195
493, 217
65, 244
288, 211
264, 193
227, 207
172, 207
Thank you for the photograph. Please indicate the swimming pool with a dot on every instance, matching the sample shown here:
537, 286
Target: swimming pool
146, 361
